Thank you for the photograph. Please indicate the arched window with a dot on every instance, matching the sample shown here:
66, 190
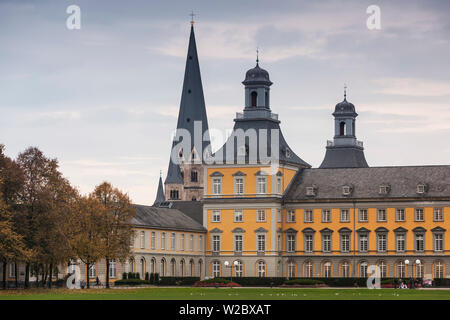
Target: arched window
342, 128
163, 267
419, 269
254, 97
131, 265
216, 269
327, 269
112, 268
182, 268
173, 267
142, 267
191, 267
200, 265
291, 269
308, 269
239, 269
261, 268
345, 269
383, 268
194, 176
401, 270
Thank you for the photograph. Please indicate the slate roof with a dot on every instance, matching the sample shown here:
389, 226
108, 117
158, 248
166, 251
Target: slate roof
192, 108
193, 209
366, 182
344, 157
165, 218
160, 193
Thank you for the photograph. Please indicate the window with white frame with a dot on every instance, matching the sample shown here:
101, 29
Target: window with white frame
291, 269
310, 191
381, 242
216, 216
142, 239
327, 269
163, 241
261, 185
182, 242
153, 240
384, 189
345, 215
419, 214
400, 214
420, 242
172, 241
345, 242
346, 190
400, 241
112, 268
439, 270
363, 242
238, 242
363, 269
438, 214
309, 243
92, 271
261, 242
345, 269
363, 215
200, 243
239, 185
261, 215
216, 243
326, 242
419, 270
309, 215
381, 215
438, 242
309, 272
191, 243
326, 215
421, 188
216, 269
279, 244
290, 216
261, 269
238, 216
217, 186
239, 269
11, 270
401, 269
291, 242
383, 269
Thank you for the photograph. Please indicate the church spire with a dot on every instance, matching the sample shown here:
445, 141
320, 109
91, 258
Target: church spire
160, 193
192, 112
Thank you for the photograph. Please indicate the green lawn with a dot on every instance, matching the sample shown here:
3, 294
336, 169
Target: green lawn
224, 294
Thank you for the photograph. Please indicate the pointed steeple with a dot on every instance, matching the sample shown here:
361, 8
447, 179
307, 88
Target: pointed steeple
160, 193
192, 110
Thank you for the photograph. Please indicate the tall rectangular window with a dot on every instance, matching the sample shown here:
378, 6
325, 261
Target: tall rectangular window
200, 243
182, 242
261, 241
172, 241
216, 243
400, 214
438, 214
363, 242
309, 215
363, 215
291, 247
345, 216
381, 242
217, 186
261, 215
261, 185
420, 242
238, 216
163, 241
400, 242
142, 239
239, 185
238, 241
419, 216
279, 185
191, 243
326, 215
326, 242
438, 242
381, 215
309, 243
290, 216
153, 241
345, 242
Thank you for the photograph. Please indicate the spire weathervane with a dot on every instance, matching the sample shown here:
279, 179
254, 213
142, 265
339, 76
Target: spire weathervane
345, 91
192, 15
257, 55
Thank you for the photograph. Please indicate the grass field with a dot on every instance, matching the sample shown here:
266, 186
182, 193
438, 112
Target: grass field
225, 294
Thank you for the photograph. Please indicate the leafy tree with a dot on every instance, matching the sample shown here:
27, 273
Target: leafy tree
116, 228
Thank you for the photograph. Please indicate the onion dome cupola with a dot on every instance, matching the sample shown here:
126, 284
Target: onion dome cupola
344, 151
260, 126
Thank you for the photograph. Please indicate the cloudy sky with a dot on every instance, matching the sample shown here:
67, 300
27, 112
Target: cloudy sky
104, 99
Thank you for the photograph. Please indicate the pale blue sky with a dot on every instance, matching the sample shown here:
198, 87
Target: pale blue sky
104, 99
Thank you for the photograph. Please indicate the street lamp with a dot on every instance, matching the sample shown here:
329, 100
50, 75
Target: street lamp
228, 265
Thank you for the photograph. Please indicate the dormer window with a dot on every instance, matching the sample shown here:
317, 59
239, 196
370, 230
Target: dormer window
384, 189
311, 191
421, 188
346, 190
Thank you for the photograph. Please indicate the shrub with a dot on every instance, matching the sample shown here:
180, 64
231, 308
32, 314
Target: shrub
130, 282
178, 281
303, 282
146, 276
124, 275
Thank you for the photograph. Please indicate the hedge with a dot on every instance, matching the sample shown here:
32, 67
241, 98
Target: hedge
303, 282
177, 281
130, 282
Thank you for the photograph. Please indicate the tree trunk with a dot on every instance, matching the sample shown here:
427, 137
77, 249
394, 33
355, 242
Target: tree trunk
27, 276
4, 275
107, 273
88, 267
50, 277
16, 275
